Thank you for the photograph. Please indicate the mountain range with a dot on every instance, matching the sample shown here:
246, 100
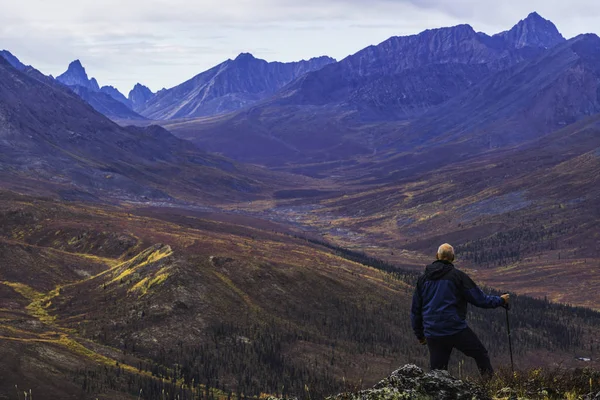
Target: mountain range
377, 99
228, 87
106, 99
137, 263
50, 138
224, 88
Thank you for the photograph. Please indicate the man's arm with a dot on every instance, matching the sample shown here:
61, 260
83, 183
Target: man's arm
416, 314
475, 296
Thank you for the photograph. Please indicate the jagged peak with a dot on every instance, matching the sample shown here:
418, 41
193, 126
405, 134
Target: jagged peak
12, 60
456, 28
140, 86
327, 58
76, 64
535, 31
535, 15
245, 56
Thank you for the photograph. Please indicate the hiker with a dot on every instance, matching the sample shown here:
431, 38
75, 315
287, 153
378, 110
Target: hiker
439, 309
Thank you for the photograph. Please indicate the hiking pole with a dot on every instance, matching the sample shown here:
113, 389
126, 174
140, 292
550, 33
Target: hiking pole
512, 365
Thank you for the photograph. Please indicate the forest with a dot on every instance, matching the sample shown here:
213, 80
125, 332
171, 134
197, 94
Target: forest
250, 359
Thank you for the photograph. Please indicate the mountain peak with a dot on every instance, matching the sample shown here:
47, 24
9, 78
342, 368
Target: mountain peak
245, 57
535, 15
139, 96
533, 31
77, 76
76, 64
12, 60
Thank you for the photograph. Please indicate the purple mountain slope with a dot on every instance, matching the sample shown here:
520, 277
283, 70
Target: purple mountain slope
365, 101
51, 138
533, 31
227, 87
107, 100
139, 96
115, 94
12, 60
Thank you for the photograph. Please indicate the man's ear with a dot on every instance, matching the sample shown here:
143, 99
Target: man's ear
437, 256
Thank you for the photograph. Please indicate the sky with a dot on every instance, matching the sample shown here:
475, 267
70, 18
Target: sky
161, 43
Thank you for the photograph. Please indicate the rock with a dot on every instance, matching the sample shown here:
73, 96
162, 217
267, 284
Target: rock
592, 396
411, 382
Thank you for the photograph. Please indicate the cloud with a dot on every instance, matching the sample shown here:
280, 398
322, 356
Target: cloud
163, 42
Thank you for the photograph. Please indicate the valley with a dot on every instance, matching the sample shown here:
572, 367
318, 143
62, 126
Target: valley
258, 229
111, 300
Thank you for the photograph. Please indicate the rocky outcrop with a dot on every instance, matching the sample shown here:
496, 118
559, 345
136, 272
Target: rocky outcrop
411, 382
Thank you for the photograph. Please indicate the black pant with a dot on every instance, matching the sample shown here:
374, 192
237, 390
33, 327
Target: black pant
465, 341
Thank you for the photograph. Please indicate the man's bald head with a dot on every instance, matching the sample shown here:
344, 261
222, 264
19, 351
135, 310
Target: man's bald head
445, 252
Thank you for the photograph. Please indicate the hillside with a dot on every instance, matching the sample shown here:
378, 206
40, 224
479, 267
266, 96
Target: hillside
145, 297
523, 218
53, 142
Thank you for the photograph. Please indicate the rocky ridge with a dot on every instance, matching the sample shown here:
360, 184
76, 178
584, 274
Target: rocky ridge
106, 99
227, 87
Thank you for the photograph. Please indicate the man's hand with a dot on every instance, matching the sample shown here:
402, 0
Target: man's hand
423, 341
506, 298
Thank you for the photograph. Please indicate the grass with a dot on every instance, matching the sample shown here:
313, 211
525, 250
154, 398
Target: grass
545, 383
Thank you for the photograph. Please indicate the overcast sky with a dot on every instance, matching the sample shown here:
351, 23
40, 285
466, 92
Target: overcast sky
162, 43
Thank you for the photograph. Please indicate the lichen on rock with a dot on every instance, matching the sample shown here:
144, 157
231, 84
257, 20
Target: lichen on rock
412, 383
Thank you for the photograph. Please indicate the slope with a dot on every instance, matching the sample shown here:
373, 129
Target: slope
106, 99
363, 103
524, 218
227, 87
182, 301
52, 141
521, 103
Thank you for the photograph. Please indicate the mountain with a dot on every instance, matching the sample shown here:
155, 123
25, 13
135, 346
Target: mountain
533, 31
139, 96
520, 103
366, 101
115, 94
76, 75
106, 100
227, 87
390, 76
50, 138
12, 60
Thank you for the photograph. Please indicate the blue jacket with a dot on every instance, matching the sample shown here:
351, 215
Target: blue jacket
439, 305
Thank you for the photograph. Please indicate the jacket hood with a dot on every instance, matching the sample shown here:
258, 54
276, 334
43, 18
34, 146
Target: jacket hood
438, 269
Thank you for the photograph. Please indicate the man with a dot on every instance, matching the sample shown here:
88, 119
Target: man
439, 309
